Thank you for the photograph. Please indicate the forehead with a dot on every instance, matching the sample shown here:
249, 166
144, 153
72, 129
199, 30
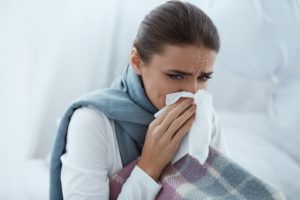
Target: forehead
185, 58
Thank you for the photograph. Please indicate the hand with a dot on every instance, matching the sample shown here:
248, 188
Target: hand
164, 136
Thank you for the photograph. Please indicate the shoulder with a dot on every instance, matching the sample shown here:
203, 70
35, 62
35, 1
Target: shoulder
90, 129
89, 116
92, 138
89, 120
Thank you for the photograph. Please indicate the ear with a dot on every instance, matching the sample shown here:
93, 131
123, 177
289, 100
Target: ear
136, 61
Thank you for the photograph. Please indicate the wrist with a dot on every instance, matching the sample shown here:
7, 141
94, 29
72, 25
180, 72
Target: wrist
153, 173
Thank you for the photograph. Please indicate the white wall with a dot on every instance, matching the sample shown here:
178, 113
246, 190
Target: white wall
50, 53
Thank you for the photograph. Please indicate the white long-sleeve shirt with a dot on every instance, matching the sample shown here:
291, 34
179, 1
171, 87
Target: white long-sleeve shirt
92, 156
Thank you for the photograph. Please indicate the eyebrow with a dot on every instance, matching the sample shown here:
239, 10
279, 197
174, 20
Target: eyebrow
189, 74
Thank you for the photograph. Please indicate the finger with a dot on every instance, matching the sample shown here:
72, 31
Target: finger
179, 122
176, 112
169, 108
178, 137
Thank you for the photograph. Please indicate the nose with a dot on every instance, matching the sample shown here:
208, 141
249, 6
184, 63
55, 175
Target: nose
193, 87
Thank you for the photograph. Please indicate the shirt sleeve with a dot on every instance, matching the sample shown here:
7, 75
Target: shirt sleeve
217, 139
137, 184
85, 165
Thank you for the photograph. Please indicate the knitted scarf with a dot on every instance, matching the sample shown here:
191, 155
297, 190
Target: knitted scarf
127, 104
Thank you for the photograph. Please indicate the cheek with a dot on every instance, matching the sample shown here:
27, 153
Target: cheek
203, 85
167, 87
206, 84
157, 89
161, 90
153, 89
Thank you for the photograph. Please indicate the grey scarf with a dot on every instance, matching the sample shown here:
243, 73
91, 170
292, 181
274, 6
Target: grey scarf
127, 104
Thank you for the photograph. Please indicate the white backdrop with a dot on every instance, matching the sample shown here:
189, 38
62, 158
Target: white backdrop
50, 53
53, 51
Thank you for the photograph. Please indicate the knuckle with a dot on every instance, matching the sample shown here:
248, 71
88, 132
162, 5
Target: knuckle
156, 132
177, 123
158, 128
152, 125
171, 113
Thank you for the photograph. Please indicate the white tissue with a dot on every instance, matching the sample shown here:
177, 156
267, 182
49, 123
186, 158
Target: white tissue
196, 143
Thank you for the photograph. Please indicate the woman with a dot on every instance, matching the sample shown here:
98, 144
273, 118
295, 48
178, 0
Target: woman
174, 50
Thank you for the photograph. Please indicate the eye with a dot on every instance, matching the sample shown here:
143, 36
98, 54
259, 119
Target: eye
204, 78
175, 76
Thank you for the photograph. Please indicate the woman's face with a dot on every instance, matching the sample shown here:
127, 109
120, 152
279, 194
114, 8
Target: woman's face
179, 68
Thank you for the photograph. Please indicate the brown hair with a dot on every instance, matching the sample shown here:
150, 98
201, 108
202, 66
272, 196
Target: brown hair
175, 23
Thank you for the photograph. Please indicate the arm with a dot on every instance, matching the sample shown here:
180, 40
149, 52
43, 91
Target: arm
92, 156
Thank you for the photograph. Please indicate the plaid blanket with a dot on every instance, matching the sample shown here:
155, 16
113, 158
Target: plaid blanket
218, 178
